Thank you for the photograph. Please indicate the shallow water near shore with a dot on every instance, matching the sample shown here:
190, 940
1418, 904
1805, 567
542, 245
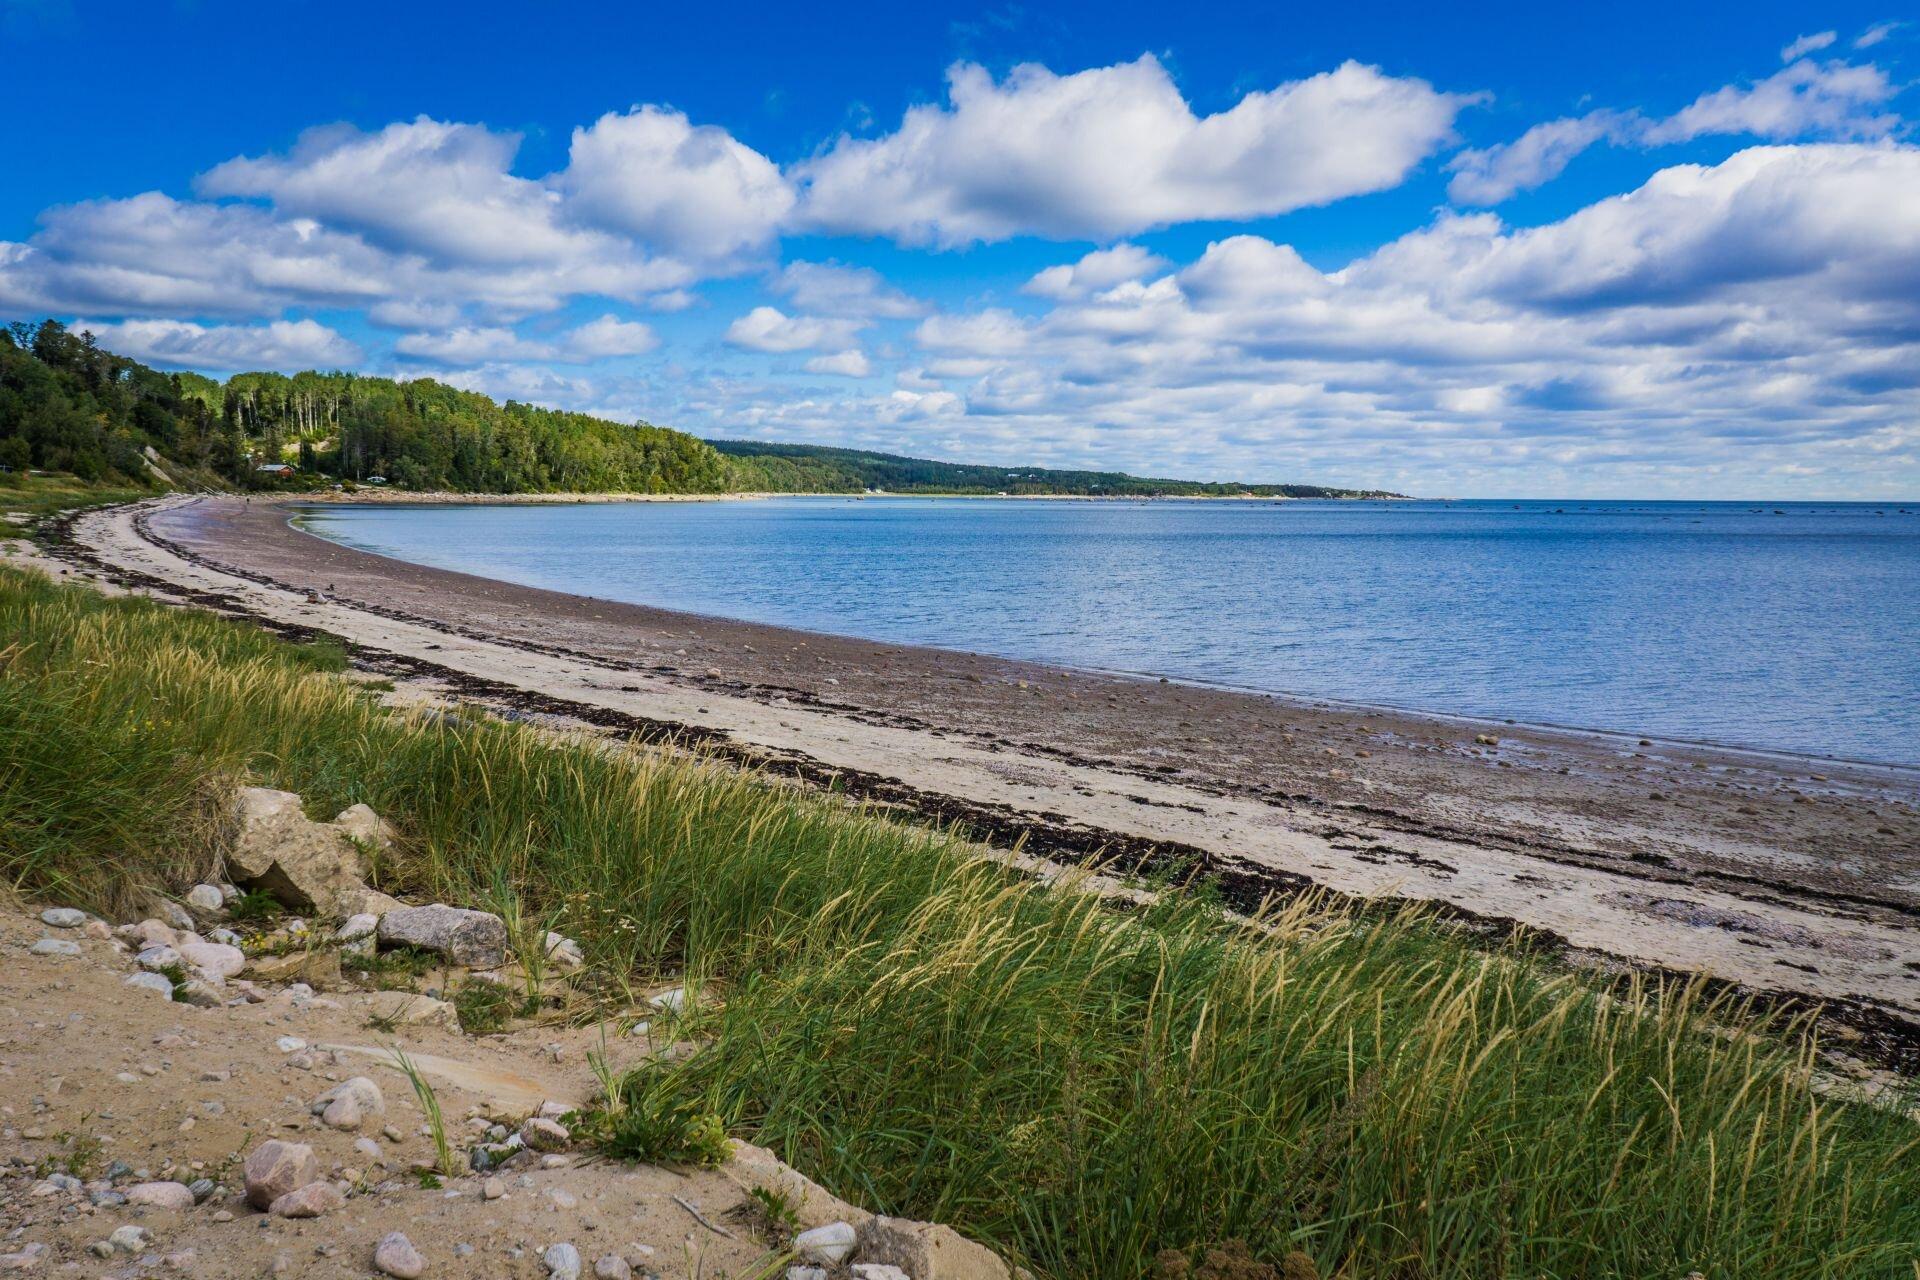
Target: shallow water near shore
1787, 627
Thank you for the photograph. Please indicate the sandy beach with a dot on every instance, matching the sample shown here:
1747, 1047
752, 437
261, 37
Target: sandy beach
1786, 876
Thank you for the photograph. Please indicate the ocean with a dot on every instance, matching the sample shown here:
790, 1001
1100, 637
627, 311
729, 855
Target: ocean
1781, 626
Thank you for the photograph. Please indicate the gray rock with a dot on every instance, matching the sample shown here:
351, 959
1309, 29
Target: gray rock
214, 958
177, 915
201, 1189
206, 899
877, 1271
55, 947
157, 983
200, 993
396, 1256
274, 1168
174, 1197
310, 1201
472, 939
563, 953
806, 1273
826, 1246
342, 1113
362, 1092
356, 927
612, 1267
63, 918
563, 1262
158, 957
671, 1001
225, 937
26, 1259
130, 1239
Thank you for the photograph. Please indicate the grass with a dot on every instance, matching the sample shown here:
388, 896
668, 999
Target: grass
444, 1160
932, 1036
33, 496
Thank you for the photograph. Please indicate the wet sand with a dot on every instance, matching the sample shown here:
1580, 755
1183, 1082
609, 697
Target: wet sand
1778, 873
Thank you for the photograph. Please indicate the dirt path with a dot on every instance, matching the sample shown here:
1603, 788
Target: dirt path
1757, 870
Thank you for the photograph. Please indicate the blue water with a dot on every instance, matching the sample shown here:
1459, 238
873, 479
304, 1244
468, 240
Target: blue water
1792, 627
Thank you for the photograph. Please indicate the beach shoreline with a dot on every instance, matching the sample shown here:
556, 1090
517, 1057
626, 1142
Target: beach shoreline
1784, 875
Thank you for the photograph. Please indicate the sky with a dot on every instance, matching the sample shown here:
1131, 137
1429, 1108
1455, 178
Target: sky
1632, 250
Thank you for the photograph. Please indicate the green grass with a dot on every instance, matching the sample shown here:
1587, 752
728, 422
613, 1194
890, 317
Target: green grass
932, 1036
33, 496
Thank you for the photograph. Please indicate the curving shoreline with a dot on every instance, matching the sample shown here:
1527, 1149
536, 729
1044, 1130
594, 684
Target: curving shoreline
1680, 857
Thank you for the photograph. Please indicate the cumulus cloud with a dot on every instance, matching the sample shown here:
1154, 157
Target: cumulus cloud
772, 330
179, 344
1804, 45
1101, 269
1116, 150
851, 363
830, 289
695, 191
607, 337
1833, 100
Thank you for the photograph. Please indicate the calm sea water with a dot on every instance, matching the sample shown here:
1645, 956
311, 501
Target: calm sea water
1792, 627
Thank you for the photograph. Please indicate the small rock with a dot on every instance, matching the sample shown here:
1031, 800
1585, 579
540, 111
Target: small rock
671, 1001
130, 1239
563, 1262
545, 1135
157, 957
177, 916
563, 1198
225, 937
214, 958
612, 1267
309, 1201
206, 898
370, 1149
275, 1168
289, 1044
563, 953
356, 927
493, 1188
154, 982
200, 1189
63, 918
25, 1259
342, 1113
154, 933
396, 1256
827, 1246
404, 1008
806, 1273
472, 939
55, 947
200, 993
170, 1196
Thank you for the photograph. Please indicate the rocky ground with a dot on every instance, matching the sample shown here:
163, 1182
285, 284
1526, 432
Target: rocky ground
195, 1094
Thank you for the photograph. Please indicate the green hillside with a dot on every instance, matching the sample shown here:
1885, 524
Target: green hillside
68, 405
791, 468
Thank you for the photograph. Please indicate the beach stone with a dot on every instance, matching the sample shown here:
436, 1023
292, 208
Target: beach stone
671, 1001
563, 953
130, 1238
826, 1246
274, 1168
356, 927
404, 1008
806, 1273
305, 865
201, 1188
225, 937
156, 958
176, 915
924, 1251
171, 1196
542, 1134
27, 1258
154, 982
612, 1267
152, 933
214, 958
342, 1113
55, 947
363, 1092
471, 939
63, 918
396, 1256
206, 899
199, 993
562, 1262
309, 1201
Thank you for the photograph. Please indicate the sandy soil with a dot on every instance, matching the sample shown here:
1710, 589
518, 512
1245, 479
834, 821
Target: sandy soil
94, 1071
1784, 875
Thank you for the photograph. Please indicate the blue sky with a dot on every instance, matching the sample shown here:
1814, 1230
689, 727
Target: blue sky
1645, 251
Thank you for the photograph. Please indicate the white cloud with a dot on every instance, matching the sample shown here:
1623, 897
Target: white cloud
610, 336
830, 289
284, 344
1101, 269
772, 330
1876, 33
694, 191
1117, 150
1832, 100
851, 363
1804, 45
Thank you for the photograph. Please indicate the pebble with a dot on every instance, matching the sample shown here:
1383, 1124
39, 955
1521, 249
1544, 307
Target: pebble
289, 1044
877, 1271
130, 1239
274, 1169
542, 1134
563, 1198
612, 1267
806, 1273
63, 917
55, 947
25, 1259
563, 1262
214, 958
396, 1256
206, 898
154, 982
157, 957
342, 1113
493, 1188
174, 1197
309, 1201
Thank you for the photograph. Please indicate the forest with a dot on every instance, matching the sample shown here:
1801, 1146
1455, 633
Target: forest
68, 405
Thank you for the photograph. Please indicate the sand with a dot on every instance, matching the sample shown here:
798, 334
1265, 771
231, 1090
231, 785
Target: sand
1787, 876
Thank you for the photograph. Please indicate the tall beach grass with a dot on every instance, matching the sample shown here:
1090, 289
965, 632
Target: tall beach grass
931, 1034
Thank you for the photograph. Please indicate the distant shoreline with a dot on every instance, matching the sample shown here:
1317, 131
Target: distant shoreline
400, 497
